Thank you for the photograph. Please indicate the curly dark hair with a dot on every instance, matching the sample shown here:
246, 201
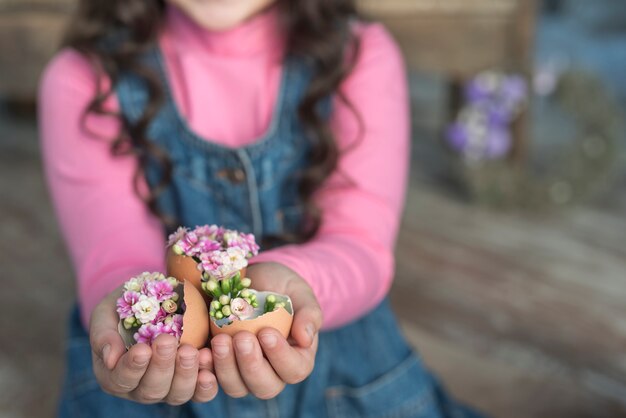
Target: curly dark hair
316, 29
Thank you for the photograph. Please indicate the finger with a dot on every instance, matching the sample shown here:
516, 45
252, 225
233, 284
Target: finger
307, 320
129, 371
256, 372
226, 369
106, 343
185, 376
205, 359
292, 364
206, 387
156, 382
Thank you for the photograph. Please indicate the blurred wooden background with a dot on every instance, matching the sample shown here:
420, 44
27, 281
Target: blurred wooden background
521, 315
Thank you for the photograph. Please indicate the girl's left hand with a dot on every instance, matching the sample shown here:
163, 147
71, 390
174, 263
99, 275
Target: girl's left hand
263, 364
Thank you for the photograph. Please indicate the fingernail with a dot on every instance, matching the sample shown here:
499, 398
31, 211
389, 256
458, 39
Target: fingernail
310, 330
268, 340
220, 350
206, 386
106, 350
141, 361
188, 362
244, 346
166, 350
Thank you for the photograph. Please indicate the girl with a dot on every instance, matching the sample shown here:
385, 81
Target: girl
284, 118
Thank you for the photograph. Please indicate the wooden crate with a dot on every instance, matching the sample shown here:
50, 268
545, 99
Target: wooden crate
30, 33
458, 38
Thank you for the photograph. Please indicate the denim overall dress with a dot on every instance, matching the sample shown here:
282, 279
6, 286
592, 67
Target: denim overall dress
364, 369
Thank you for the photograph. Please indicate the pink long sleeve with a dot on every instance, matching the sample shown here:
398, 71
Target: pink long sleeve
350, 263
108, 230
112, 236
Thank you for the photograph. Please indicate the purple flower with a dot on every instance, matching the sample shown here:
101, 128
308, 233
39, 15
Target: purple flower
241, 308
126, 302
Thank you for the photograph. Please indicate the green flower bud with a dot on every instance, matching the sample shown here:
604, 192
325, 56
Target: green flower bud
212, 314
204, 287
129, 322
255, 304
175, 297
271, 298
226, 310
219, 315
224, 299
246, 293
212, 285
177, 250
246, 282
279, 305
216, 305
226, 287
173, 281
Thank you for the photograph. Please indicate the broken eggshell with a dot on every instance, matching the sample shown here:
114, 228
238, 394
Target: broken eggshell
195, 324
280, 319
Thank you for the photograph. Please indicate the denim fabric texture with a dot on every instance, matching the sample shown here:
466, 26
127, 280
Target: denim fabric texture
364, 369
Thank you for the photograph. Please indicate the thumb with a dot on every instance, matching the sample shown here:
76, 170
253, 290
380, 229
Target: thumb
306, 323
106, 342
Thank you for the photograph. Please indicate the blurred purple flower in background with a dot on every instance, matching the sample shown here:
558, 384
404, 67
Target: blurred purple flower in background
482, 128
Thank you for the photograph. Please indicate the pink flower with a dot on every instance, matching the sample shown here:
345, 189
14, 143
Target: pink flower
241, 308
176, 236
188, 243
174, 327
160, 316
160, 289
126, 302
208, 245
147, 333
212, 232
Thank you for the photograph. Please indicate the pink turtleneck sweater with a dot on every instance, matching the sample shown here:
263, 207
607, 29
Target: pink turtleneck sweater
225, 84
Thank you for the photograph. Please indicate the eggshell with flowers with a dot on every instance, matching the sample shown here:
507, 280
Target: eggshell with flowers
281, 319
214, 259
153, 304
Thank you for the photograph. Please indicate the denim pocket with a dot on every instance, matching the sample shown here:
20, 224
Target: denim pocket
403, 392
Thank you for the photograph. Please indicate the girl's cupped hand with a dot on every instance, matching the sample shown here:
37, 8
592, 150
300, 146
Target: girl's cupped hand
161, 373
261, 365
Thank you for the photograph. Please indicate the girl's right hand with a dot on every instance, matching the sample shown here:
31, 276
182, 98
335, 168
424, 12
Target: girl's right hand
161, 373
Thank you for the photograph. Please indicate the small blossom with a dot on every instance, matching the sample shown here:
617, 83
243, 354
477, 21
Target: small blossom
146, 309
169, 306
147, 333
176, 236
161, 289
126, 302
241, 308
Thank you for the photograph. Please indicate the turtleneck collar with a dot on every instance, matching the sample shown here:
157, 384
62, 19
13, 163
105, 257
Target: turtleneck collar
261, 34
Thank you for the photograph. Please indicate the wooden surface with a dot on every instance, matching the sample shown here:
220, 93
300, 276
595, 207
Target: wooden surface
522, 316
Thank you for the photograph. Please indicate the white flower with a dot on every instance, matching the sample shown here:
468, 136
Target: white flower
146, 309
134, 284
231, 236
